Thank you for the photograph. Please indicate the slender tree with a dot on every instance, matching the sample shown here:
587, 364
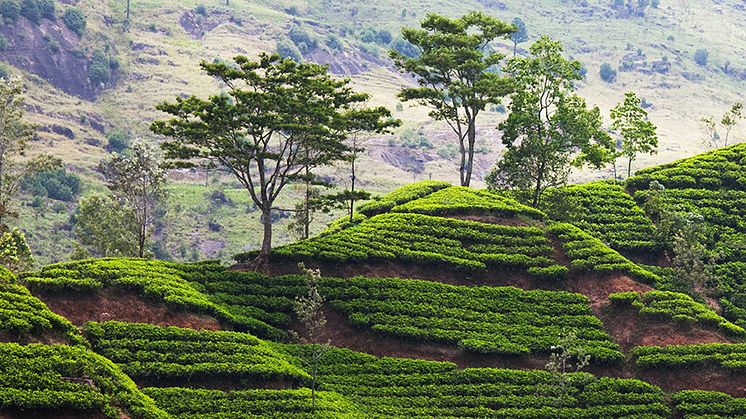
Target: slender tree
520, 35
137, 180
549, 128
456, 72
638, 134
730, 119
277, 119
15, 134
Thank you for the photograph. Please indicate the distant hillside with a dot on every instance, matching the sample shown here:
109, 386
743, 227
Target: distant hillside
85, 89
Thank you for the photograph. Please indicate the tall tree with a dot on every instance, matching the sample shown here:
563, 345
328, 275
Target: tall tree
276, 119
106, 227
137, 180
730, 119
638, 134
456, 72
15, 134
520, 35
549, 128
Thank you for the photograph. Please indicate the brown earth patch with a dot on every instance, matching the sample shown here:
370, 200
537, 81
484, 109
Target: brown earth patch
696, 378
396, 269
629, 329
47, 337
122, 305
598, 287
648, 258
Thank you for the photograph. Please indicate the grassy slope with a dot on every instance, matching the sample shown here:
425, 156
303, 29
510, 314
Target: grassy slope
159, 61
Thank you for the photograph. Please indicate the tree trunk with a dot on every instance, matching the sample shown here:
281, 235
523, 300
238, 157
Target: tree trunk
462, 168
629, 168
472, 139
352, 188
261, 263
515, 47
128, 10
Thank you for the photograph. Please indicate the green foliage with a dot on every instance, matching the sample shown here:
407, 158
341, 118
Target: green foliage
520, 35
549, 128
60, 378
158, 353
303, 40
731, 356
456, 73
99, 70
24, 316
56, 184
638, 134
3, 47
718, 169
588, 253
15, 253
307, 111
10, 10
75, 20
426, 239
30, 10
201, 403
462, 200
172, 283
105, 227
681, 308
47, 9
400, 388
708, 404
607, 73
415, 139
405, 48
117, 141
400, 196
287, 49
606, 211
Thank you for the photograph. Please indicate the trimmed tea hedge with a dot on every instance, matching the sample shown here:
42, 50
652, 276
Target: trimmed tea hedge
68, 378
400, 196
609, 213
726, 355
166, 281
678, 307
199, 403
701, 404
467, 245
144, 350
588, 253
23, 315
461, 200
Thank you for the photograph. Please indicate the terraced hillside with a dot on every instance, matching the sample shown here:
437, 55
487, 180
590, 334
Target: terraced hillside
438, 301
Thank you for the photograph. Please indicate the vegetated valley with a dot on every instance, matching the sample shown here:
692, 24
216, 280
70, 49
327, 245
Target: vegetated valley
323, 209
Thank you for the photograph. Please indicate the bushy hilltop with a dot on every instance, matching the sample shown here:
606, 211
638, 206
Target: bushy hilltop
439, 301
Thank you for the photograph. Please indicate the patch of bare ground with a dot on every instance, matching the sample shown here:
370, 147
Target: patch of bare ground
397, 269
696, 378
47, 337
123, 305
50, 414
598, 287
648, 258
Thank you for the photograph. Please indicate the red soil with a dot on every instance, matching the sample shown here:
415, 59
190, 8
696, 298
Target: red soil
50, 414
123, 305
598, 287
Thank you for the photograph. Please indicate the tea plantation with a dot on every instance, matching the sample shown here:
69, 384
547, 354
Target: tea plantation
390, 344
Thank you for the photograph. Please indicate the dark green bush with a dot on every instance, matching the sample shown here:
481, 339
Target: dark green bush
56, 184
30, 10
75, 20
10, 10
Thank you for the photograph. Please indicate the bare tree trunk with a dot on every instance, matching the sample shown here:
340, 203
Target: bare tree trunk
629, 168
352, 186
261, 263
462, 168
472, 138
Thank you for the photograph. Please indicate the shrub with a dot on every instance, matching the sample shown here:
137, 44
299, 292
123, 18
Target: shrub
10, 10
302, 39
201, 10
333, 42
3, 43
701, 56
30, 10
99, 69
75, 20
117, 141
47, 9
288, 49
56, 184
406, 48
607, 73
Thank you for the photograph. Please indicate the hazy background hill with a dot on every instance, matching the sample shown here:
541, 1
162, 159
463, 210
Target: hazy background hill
87, 92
